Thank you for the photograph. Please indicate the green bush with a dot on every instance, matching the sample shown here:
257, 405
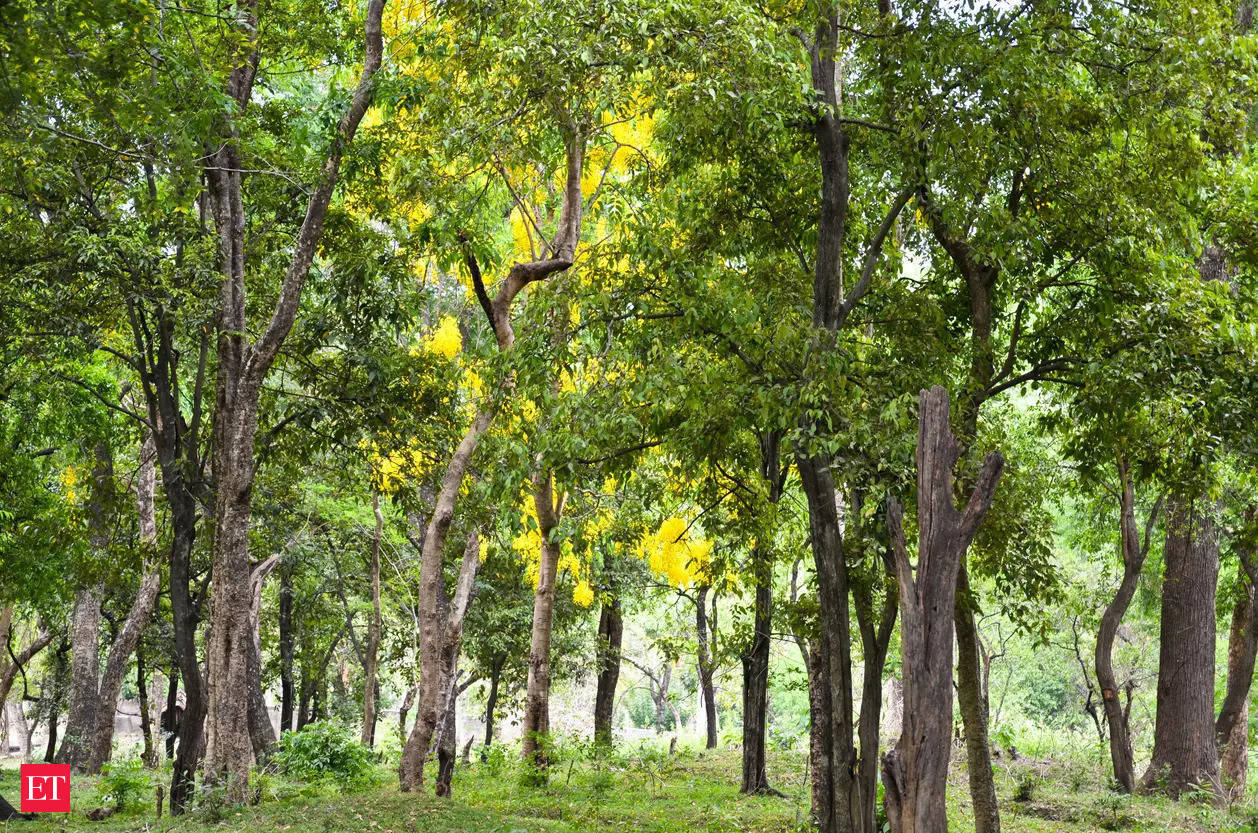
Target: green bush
122, 783
325, 750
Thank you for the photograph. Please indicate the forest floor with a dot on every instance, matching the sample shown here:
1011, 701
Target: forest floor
640, 790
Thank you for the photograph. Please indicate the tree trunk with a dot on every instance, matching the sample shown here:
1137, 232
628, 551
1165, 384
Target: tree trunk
146, 725
1232, 727
837, 764
915, 771
707, 689
491, 701
610, 636
242, 367
661, 698
1185, 753
286, 649
536, 726
446, 750
1133, 555
84, 714
756, 678
261, 732
498, 310
875, 642
371, 661
407, 702
445, 636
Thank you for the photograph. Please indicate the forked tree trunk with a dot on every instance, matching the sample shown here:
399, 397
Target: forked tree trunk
1185, 753
915, 771
1232, 727
707, 689
1133, 555
242, 367
371, 661
536, 725
607, 656
443, 634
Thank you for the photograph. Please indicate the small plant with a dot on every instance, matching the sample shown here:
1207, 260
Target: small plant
1025, 782
123, 784
1076, 778
325, 751
1111, 811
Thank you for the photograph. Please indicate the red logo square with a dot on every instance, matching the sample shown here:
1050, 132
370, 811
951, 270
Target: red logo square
45, 788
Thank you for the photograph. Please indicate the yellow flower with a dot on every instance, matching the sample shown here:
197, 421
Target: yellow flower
583, 593
446, 340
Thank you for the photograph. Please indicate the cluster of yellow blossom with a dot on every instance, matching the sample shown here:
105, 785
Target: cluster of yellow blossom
445, 339
672, 553
69, 478
395, 467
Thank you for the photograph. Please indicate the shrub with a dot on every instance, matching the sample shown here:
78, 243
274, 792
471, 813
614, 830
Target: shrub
324, 750
122, 783
1025, 783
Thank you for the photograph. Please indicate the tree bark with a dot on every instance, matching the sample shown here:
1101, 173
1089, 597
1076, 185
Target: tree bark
610, 637
875, 642
706, 686
1185, 752
915, 771
242, 367
445, 637
84, 713
536, 726
1133, 555
287, 699
755, 661
1232, 727
491, 701
261, 732
371, 661
149, 755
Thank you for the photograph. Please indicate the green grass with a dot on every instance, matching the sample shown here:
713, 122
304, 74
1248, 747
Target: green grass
639, 790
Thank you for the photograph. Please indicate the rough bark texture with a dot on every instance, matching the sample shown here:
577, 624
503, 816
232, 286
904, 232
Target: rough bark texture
261, 732
1185, 753
242, 367
536, 725
706, 687
755, 662
371, 661
915, 771
611, 631
84, 714
875, 642
287, 694
440, 641
1232, 727
1133, 555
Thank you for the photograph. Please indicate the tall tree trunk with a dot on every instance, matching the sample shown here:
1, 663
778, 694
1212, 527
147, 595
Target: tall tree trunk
661, 697
755, 661
1133, 555
536, 726
149, 756
84, 713
287, 699
611, 631
242, 367
875, 642
403, 710
706, 686
559, 257
1232, 727
371, 661
916, 770
261, 732
444, 636
1185, 753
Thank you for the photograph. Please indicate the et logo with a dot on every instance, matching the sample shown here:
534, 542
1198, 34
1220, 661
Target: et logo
45, 788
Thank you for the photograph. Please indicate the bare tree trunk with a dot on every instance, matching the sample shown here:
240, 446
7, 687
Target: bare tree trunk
287, 699
1232, 727
536, 726
875, 642
407, 702
916, 770
1133, 555
755, 661
149, 755
446, 638
706, 687
261, 732
610, 636
373, 634
242, 367
1185, 752
84, 714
